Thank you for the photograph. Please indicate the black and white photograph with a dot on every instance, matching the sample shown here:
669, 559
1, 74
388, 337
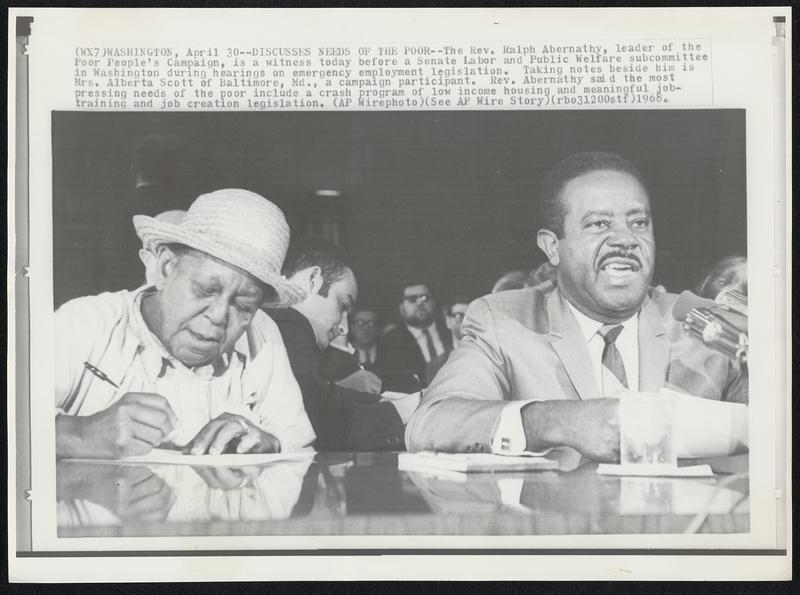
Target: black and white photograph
408, 271
449, 294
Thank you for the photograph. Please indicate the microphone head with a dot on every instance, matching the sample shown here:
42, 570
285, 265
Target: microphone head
688, 301
734, 300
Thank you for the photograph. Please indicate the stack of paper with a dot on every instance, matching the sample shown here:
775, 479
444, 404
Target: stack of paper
471, 463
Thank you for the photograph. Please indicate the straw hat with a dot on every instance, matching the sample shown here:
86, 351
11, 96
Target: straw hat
238, 227
173, 217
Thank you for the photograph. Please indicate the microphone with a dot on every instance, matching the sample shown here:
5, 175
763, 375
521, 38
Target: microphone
721, 327
733, 299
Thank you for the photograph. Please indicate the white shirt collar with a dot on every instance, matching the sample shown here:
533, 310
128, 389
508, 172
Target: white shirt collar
589, 326
417, 331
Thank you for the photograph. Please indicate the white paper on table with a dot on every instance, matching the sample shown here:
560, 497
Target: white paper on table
705, 428
160, 456
647, 471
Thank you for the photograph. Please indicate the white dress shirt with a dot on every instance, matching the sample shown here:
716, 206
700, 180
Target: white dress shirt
367, 356
627, 344
422, 342
509, 436
109, 332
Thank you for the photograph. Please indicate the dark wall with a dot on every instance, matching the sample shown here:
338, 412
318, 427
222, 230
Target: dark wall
442, 196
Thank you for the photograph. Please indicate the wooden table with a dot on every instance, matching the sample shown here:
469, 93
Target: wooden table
365, 494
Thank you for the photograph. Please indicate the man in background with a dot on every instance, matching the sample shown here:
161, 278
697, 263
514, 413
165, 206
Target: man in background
453, 317
405, 351
343, 418
364, 333
356, 351
730, 273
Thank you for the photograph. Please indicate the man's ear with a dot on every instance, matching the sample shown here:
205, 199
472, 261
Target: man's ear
548, 243
146, 257
150, 262
316, 280
166, 261
309, 279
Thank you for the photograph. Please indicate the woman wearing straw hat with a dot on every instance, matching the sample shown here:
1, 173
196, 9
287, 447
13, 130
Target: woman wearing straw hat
168, 364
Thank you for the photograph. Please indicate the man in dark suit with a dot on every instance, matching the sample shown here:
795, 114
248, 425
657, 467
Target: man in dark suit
364, 333
343, 418
405, 351
545, 366
454, 313
344, 357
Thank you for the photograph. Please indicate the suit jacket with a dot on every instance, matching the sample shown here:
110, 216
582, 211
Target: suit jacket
399, 356
336, 364
433, 366
343, 419
526, 344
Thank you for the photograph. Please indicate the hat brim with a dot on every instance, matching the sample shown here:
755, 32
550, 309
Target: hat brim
154, 233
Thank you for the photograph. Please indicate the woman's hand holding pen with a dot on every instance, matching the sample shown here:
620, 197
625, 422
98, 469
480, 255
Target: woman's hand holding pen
133, 425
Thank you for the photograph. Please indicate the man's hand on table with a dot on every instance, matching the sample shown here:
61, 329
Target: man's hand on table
591, 427
231, 433
363, 381
131, 426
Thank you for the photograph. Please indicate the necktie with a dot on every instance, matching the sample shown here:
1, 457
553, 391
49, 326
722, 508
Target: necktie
431, 347
614, 377
364, 356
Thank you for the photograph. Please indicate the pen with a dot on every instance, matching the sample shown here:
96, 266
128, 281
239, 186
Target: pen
100, 374
168, 444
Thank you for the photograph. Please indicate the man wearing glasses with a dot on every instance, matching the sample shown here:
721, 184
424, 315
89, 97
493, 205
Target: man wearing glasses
454, 313
454, 316
354, 352
406, 350
364, 333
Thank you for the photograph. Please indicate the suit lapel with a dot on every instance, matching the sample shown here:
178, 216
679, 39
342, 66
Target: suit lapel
653, 348
570, 346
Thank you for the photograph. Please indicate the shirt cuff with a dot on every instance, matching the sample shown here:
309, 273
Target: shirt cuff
406, 406
509, 437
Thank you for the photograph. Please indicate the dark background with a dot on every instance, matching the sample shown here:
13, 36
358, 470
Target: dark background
447, 198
